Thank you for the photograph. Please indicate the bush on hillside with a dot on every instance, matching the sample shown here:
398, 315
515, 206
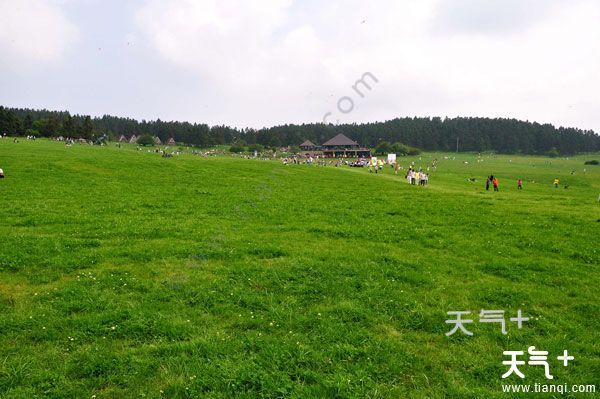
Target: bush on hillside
255, 147
236, 148
146, 140
553, 153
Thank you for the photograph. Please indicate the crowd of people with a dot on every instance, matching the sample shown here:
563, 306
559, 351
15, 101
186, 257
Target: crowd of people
417, 177
375, 165
491, 180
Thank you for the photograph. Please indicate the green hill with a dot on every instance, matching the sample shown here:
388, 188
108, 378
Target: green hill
124, 274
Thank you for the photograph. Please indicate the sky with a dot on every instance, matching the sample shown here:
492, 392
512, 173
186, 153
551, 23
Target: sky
269, 62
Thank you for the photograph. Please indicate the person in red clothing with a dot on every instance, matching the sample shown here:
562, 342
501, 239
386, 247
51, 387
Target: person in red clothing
519, 184
495, 183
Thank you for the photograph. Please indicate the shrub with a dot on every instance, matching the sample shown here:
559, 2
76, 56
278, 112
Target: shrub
146, 140
255, 147
403, 149
413, 151
592, 162
236, 149
553, 153
383, 148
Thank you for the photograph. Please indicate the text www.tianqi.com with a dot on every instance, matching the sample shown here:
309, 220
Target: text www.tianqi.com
549, 388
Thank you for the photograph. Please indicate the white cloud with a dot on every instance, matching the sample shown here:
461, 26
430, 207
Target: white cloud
277, 62
265, 62
211, 36
34, 31
491, 16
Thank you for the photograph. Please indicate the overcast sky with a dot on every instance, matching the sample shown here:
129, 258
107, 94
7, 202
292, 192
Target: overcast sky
266, 62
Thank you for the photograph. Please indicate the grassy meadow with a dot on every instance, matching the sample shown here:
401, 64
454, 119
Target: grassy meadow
127, 275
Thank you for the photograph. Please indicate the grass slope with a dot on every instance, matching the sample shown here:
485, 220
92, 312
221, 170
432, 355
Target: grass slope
123, 274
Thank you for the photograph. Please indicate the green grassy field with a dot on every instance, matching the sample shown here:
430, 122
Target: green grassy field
124, 274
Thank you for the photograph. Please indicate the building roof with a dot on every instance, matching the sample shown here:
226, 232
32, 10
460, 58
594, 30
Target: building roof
340, 140
308, 143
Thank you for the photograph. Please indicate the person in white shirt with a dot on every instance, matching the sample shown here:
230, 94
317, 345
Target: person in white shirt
1, 174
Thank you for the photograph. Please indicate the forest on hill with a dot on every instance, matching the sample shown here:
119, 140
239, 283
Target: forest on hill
430, 134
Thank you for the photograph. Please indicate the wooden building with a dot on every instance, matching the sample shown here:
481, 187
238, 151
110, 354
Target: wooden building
308, 146
341, 146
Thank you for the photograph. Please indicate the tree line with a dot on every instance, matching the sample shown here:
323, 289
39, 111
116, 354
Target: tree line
501, 135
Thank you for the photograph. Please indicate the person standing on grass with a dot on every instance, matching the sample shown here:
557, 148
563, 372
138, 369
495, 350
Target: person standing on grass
519, 184
495, 183
1, 174
487, 184
556, 183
